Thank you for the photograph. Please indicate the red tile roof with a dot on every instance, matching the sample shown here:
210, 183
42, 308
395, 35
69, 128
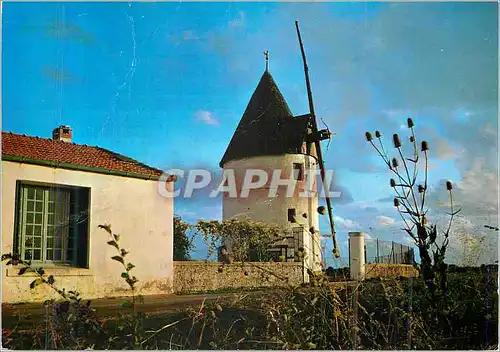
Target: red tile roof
55, 153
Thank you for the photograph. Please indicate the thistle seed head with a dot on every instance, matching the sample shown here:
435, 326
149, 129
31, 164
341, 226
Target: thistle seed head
420, 189
368, 136
397, 142
395, 163
449, 185
377, 134
425, 146
410, 123
393, 183
396, 202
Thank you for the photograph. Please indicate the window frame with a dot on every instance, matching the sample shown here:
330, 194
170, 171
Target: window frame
21, 200
298, 171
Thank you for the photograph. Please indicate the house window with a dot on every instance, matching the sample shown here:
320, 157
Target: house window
53, 224
298, 171
291, 215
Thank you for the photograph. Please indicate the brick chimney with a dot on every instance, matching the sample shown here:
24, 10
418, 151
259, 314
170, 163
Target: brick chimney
62, 133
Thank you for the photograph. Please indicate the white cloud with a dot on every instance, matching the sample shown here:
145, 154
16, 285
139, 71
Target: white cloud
238, 21
368, 237
189, 35
385, 221
479, 188
476, 194
471, 244
407, 240
348, 224
206, 117
179, 38
184, 213
211, 213
196, 211
397, 113
444, 150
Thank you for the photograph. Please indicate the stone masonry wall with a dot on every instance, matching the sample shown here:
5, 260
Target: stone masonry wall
389, 270
204, 276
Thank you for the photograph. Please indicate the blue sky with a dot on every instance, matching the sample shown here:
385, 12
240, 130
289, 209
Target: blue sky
166, 83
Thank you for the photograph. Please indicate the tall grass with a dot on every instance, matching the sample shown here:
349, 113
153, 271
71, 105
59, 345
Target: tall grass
393, 313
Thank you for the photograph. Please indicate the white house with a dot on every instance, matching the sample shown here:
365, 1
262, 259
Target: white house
269, 137
55, 193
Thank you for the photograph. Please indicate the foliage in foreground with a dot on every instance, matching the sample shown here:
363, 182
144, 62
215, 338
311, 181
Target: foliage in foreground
73, 322
377, 314
410, 201
248, 240
182, 244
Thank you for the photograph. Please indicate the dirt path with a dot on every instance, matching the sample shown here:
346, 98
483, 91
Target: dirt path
110, 307
104, 306
12, 314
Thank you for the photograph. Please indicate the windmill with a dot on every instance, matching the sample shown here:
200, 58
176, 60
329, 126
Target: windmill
317, 137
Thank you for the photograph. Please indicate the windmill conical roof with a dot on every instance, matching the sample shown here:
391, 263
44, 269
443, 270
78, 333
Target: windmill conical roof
267, 126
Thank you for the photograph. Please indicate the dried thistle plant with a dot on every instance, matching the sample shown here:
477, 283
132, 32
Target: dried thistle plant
410, 202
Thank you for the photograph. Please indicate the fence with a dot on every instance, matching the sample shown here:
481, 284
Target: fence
387, 252
287, 245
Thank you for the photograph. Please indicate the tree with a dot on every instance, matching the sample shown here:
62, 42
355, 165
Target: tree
410, 203
182, 244
246, 240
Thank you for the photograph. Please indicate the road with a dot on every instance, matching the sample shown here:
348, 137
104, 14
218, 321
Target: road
110, 307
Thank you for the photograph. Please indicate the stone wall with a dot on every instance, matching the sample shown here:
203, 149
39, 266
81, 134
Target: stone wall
389, 270
204, 276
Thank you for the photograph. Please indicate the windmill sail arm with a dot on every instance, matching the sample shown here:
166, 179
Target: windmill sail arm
316, 142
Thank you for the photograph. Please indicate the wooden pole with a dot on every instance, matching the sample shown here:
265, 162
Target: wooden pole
349, 249
314, 126
378, 255
393, 254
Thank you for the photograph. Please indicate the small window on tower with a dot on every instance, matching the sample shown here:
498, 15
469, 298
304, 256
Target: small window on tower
291, 215
298, 171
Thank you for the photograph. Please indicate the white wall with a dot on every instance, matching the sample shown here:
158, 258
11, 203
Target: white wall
259, 207
134, 209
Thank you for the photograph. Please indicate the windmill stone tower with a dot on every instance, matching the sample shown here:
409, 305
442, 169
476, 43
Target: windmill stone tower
269, 137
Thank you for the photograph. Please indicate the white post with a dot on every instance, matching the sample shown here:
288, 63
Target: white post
357, 255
